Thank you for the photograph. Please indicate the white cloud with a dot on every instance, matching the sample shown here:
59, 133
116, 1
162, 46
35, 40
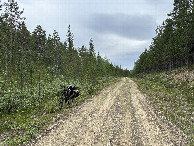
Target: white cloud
120, 50
42, 13
131, 26
113, 45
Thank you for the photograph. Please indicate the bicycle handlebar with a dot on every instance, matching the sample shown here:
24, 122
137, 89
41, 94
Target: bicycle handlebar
62, 86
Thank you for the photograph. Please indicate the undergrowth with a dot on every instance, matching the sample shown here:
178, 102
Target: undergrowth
32, 112
172, 93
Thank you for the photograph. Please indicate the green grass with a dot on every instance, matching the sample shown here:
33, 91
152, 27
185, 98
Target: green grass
172, 93
24, 123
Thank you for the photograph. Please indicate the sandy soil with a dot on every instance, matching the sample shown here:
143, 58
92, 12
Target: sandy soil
119, 116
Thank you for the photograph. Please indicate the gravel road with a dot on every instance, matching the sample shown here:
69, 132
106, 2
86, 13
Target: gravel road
118, 116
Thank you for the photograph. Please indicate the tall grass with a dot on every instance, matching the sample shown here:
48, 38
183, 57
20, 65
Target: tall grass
172, 94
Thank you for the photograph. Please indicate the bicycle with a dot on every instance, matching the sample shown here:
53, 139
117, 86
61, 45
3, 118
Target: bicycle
67, 95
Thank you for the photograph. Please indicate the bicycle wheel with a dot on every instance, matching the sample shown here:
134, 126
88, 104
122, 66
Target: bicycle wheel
61, 102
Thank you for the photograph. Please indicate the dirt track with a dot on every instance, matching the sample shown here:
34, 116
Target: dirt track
119, 115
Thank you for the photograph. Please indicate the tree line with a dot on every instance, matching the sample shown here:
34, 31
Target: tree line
173, 45
29, 58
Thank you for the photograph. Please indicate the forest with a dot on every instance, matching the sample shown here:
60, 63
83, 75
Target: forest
165, 71
33, 65
173, 45
31, 61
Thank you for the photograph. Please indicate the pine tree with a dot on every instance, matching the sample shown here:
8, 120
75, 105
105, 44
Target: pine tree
91, 70
70, 49
173, 45
56, 51
83, 54
12, 18
99, 66
23, 41
39, 42
73, 57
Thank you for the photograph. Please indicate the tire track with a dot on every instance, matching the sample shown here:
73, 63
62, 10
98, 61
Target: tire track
150, 129
90, 125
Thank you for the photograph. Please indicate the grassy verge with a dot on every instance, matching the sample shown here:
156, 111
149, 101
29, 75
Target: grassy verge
172, 93
24, 124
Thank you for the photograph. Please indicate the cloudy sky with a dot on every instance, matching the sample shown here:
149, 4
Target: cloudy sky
121, 29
